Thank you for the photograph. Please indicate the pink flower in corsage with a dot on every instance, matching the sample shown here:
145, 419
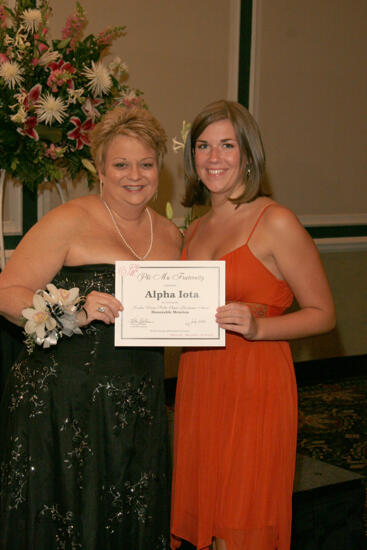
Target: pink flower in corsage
81, 131
38, 318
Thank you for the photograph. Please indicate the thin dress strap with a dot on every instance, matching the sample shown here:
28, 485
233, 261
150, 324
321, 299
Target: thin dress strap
258, 219
193, 233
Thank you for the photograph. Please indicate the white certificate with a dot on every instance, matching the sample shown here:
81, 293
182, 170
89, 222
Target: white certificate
169, 303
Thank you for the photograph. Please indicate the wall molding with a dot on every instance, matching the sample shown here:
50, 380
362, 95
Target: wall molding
341, 244
324, 220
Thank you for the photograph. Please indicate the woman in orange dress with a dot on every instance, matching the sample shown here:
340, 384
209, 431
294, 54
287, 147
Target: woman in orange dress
236, 407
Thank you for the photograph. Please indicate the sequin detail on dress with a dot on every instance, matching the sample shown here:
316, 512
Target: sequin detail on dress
67, 535
30, 385
80, 448
14, 474
128, 399
130, 500
84, 453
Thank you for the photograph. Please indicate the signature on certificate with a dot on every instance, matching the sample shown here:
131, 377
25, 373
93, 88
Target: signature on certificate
195, 322
139, 322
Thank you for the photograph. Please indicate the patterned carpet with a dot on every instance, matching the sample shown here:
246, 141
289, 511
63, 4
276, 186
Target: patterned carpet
333, 423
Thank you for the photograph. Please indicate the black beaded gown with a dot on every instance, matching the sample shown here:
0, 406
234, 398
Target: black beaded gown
84, 461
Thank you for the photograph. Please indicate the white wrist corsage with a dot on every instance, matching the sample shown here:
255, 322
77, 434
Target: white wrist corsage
53, 314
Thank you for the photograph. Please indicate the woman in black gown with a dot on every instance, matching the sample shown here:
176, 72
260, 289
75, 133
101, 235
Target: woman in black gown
84, 459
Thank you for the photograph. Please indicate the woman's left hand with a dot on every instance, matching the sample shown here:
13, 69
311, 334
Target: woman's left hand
237, 317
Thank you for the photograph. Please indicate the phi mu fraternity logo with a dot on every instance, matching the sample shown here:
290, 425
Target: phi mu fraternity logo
129, 269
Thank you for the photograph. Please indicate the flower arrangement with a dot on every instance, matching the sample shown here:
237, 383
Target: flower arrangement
52, 92
54, 313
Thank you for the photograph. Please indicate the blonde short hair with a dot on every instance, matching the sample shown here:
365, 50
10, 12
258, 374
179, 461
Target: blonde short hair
136, 122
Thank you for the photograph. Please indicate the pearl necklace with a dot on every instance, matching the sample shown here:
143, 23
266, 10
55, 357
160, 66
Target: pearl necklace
123, 238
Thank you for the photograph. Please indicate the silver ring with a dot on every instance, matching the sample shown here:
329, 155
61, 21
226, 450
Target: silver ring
101, 309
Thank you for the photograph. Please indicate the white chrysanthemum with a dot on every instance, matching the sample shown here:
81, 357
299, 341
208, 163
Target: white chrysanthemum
31, 19
38, 317
11, 73
99, 79
50, 56
50, 108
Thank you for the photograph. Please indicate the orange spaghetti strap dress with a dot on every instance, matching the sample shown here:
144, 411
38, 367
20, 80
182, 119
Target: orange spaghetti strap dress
236, 426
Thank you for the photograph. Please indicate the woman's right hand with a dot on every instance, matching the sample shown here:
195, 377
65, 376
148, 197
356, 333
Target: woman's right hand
99, 306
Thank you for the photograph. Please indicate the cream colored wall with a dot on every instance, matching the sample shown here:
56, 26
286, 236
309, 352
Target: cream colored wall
308, 93
178, 53
347, 274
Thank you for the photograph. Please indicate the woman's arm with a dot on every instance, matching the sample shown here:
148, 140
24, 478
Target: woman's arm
37, 259
34, 262
298, 260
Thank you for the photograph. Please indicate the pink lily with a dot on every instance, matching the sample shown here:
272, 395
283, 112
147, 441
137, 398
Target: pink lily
28, 129
61, 65
29, 99
81, 131
34, 94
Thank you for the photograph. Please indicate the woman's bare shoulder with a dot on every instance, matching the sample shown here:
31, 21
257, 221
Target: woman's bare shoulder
283, 227
279, 217
72, 213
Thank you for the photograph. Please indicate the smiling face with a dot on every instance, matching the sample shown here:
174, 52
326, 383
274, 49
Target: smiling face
218, 159
130, 172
